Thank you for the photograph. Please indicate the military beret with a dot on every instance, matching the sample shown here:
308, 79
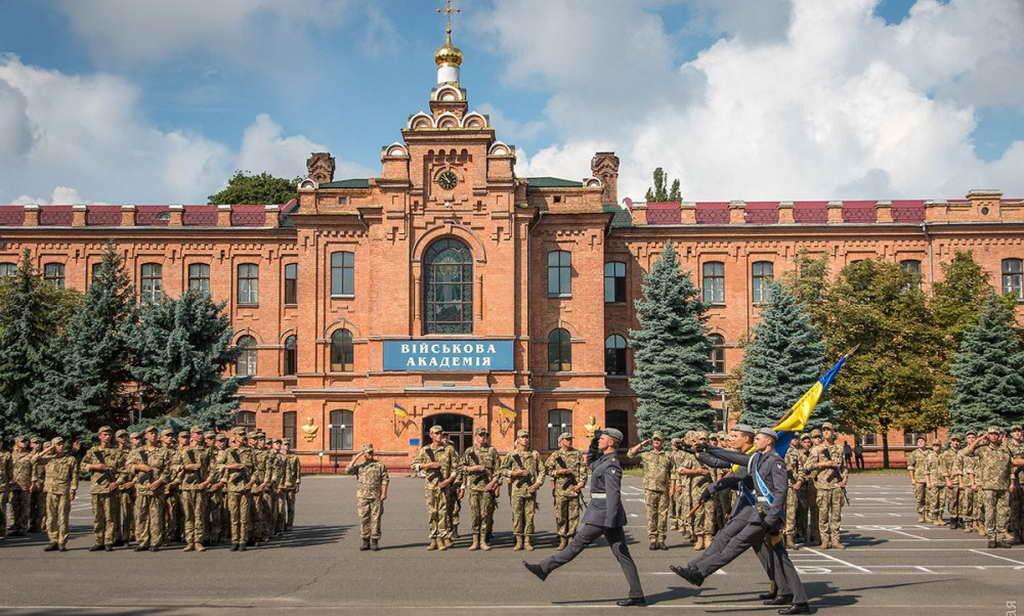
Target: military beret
436, 429
105, 429
994, 430
746, 429
481, 430
221, 437
522, 433
657, 436
121, 432
827, 426
167, 432
198, 429
151, 429
768, 432
613, 433
565, 435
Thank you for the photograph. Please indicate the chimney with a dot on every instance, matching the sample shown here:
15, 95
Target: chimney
320, 167
605, 167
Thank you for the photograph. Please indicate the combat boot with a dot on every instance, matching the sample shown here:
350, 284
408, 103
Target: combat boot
53, 547
519, 544
442, 544
707, 541
200, 547
527, 544
475, 545
837, 544
366, 545
188, 548
483, 542
433, 544
96, 548
562, 542
790, 544
824, 545
375, 545
700, 543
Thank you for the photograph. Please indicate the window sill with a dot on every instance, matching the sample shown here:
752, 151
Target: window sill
291, 305
618, 303
248, 305
560, 296
343, 296
616, 375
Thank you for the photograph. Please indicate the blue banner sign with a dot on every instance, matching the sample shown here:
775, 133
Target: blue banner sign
448, 355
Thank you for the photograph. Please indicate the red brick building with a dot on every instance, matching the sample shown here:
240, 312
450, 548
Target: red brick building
448, 290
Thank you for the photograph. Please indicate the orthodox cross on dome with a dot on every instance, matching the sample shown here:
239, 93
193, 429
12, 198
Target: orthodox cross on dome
449, 10
448, 57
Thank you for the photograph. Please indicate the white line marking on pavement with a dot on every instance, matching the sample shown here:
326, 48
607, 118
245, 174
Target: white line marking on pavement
1016, 562
840, 561
890, 529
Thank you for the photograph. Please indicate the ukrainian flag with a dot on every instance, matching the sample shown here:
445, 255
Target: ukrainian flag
796, 418
506, 411
400, 411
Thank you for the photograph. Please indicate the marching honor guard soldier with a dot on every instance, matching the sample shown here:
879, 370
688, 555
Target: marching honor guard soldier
373, 479
825, 466
525, 472
657, 475
105, 467
194, 464
480, 466
61, 487
604, 516
151, 467
436, 461
567, 468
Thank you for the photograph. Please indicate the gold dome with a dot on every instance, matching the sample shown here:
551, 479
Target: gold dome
448, 53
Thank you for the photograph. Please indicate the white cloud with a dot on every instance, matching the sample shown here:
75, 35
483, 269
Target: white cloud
63, 195
87, 132
507, 129
841, 106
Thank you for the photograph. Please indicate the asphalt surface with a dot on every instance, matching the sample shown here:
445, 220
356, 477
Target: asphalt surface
892, 566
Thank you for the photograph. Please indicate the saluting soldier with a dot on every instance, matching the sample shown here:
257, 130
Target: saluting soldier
825, 466
292, 481
657, 476
105, 468
482, 481
61, 487
524, 471
438, 465
1016, 446
993, 471
21, 486
567, 468
373, 479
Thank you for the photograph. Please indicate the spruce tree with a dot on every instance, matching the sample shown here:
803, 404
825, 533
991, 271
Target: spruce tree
782, 361
181, 348
671, 352
989, 370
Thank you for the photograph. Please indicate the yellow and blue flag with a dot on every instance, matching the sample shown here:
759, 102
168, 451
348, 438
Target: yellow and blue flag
797, 416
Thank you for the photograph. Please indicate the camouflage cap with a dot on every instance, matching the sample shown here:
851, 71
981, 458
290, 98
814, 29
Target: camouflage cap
276, 441
221, 436
286, 442
36, 439
196, 429
994, 430
805, 437
970, 433
167, 432
368, 448
121, 432
105, 429
209, 434
20, 438
657, 436
436, 429
1016, 428
481, 430
183, 434
676, 441
522, 433
565, 436
259, 436
57, 440
815, 433
827, 426
699, 434
135, 435
151, 429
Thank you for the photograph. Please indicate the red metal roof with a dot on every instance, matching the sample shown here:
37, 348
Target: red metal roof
663, 213
712, 212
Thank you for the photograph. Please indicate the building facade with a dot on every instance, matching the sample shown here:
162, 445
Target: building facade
448, 290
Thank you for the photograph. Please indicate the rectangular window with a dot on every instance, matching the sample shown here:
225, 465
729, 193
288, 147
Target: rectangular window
869, 440
291, 284
248, 284
341, 431
1013, 278
8, 269
714, 283
94, 272
53, 273
152, 286
288, 427
614, 282
559, 273
912, 267
558, 422
762, 274
343, 273
199, 277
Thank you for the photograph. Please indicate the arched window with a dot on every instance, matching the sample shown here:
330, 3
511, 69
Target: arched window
290, 357
717, 353
53, 273
559, 421
248, 284
342, 351
1013, 278
341, 431
448, 288
8, 269
245, 419
152, 286
343, 274
291, 284
912, 267
761, 275
620, 421
614, 282
559, 351
615, 354
714, 283
199, 277
245, 365
288, 421
559, 273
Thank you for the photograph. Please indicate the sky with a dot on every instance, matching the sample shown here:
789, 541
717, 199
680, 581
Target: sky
147, 101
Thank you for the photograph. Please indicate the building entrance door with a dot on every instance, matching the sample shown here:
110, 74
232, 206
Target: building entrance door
459, 429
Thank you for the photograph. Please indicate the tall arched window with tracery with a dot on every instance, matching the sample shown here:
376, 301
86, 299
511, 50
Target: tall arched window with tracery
448, 287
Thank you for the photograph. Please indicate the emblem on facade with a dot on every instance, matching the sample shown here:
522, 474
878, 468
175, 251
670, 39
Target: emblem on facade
310, 430
591, 427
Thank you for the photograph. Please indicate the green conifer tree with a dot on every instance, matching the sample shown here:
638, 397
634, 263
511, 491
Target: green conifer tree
989, 370
782, 361
671, 352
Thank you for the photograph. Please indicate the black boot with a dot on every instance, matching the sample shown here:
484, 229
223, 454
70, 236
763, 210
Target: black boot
796, 608
689, 574
142, 547
234, 547
96, 548
52, 547
632, 602
536, 570
375, 545
365, 546
108, 548
767, 596
780, 600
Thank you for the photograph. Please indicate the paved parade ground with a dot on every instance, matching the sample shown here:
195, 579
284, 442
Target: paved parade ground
892, 566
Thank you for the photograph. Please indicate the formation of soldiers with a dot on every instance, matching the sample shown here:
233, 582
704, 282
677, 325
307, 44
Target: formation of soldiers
155, 488
972, 483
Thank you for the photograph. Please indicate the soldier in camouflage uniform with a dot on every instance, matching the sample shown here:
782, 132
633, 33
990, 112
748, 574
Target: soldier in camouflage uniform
151, 468
173, 516
1016, 446
37, 515
919, 478
280, 469
217, 521
105, 463
291, 483
794, 460
6, 481
703, 522
456, 491
679, 488
954, 468
61, 487
568, 470
237, 468
936, 482
825, 466
261, 503
21, 486
993, 475
524, 471
373, 480
123, 494
193, 461
657, 466
437, 462
482, 481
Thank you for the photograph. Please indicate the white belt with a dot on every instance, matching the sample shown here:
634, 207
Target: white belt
599, 495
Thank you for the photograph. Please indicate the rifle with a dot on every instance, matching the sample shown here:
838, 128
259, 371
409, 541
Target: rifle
570, 481
838, 476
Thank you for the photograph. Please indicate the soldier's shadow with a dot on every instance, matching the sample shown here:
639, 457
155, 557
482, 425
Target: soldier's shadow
304, 536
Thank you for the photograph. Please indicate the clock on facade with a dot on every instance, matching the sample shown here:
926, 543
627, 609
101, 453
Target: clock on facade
447, 179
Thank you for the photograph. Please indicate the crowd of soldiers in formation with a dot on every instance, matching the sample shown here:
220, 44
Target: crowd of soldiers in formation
151, 489
673, 481
976, 487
